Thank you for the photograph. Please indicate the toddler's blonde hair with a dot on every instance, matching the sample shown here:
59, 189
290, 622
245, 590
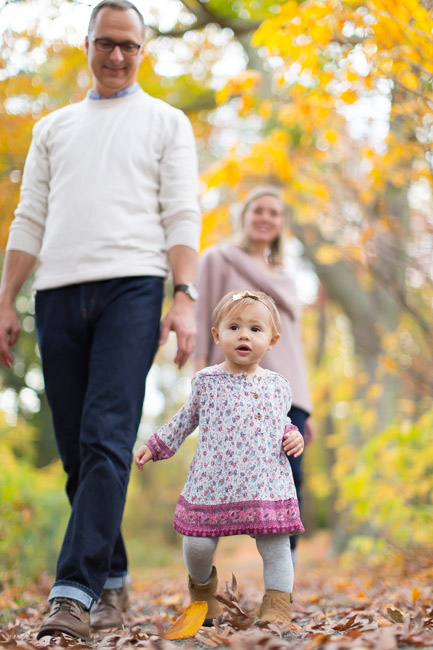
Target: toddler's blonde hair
234, 302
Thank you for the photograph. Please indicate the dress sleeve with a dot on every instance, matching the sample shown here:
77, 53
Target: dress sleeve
167, 440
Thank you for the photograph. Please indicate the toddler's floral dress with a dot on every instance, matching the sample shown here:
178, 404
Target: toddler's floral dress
240, 480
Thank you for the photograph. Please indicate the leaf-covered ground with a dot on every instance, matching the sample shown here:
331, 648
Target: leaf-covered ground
337, 606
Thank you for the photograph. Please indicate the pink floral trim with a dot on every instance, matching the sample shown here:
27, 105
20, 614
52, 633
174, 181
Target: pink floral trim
159, 450
244, 517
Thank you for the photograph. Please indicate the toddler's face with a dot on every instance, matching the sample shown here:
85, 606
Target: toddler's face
245, 336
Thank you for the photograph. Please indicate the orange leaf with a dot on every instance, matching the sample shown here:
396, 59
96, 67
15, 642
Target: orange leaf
415, 594
189, 623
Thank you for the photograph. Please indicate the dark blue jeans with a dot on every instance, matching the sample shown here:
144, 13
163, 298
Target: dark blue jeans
97, 342
298, 417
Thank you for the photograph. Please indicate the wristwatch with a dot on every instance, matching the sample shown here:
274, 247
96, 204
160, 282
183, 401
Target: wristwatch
187, 288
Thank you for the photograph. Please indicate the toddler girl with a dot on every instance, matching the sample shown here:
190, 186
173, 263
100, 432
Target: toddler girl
240, 480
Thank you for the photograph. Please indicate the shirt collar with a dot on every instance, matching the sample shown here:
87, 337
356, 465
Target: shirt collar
121, 93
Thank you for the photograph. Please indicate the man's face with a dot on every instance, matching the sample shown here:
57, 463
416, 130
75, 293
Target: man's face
114, 71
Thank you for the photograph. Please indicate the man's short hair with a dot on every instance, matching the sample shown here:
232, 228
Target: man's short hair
119, 5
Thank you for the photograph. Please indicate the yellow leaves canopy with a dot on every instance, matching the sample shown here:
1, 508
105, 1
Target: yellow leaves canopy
243, 83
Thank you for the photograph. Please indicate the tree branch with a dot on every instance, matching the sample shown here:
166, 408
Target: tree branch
204, 16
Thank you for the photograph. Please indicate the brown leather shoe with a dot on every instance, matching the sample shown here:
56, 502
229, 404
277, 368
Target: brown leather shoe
68, 616
107, 611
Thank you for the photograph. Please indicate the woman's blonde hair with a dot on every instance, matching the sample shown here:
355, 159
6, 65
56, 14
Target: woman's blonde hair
276, 253
234, 302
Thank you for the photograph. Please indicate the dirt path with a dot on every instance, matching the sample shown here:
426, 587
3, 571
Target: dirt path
337, 606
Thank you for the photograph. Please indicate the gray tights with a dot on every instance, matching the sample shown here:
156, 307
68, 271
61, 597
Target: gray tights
198, 555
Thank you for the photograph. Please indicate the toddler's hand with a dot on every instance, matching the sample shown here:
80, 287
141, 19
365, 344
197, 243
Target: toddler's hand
293, 442
142, 456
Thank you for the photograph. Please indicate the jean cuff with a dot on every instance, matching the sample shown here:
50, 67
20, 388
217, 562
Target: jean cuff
117, 582
69, 591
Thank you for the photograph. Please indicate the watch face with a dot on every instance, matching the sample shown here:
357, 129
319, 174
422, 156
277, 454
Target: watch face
192, 292
189, 289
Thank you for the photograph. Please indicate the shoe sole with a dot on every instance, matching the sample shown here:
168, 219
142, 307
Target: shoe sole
48, 631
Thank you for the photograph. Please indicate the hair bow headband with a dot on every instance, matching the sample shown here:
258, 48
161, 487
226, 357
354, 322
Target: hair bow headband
245, 294
248, 294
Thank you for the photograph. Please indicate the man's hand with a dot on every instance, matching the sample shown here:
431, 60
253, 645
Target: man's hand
293, 442
180, 319
9, 332
16, 269
142, 456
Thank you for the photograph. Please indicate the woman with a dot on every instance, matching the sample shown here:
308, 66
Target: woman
255, 263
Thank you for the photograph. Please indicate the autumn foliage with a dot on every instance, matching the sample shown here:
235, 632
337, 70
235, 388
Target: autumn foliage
332, 102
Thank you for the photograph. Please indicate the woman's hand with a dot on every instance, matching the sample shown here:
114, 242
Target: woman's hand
142, 456
310, 431
293, 442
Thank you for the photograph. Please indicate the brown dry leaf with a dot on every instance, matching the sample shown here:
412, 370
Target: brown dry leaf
257, 638
345, 625
231, 590
319, 639
220, 635
395, 614
386, 640
206, 640
189, 623
157, 621
381, 621
419, 640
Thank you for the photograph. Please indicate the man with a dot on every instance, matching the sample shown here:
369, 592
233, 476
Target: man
108, 204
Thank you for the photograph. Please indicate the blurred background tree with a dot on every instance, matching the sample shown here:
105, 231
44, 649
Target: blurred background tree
331, 101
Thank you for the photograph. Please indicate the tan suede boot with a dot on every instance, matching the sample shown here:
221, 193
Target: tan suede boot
207, 593
276, 607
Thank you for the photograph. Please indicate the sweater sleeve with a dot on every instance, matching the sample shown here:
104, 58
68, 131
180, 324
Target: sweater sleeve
211, 288
167, 440
28, 227
178, 194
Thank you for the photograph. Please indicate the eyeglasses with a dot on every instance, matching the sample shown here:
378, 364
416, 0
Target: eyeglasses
107, 45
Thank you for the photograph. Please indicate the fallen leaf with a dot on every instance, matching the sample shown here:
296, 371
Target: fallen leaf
416, 593
189, 623
341, 627
383, 622
395, 614
171, 601
206, 640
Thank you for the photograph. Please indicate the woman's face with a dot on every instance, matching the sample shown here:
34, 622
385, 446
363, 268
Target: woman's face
263, 219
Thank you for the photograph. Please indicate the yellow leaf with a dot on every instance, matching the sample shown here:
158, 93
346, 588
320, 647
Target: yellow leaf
189, 623
410, 80
327, 254
349, 97
374, 392
265, 110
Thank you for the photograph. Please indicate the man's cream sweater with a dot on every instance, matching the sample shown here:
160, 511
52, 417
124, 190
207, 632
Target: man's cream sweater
109, 186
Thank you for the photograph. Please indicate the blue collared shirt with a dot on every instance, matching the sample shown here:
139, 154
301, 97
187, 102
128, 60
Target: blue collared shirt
121, 93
